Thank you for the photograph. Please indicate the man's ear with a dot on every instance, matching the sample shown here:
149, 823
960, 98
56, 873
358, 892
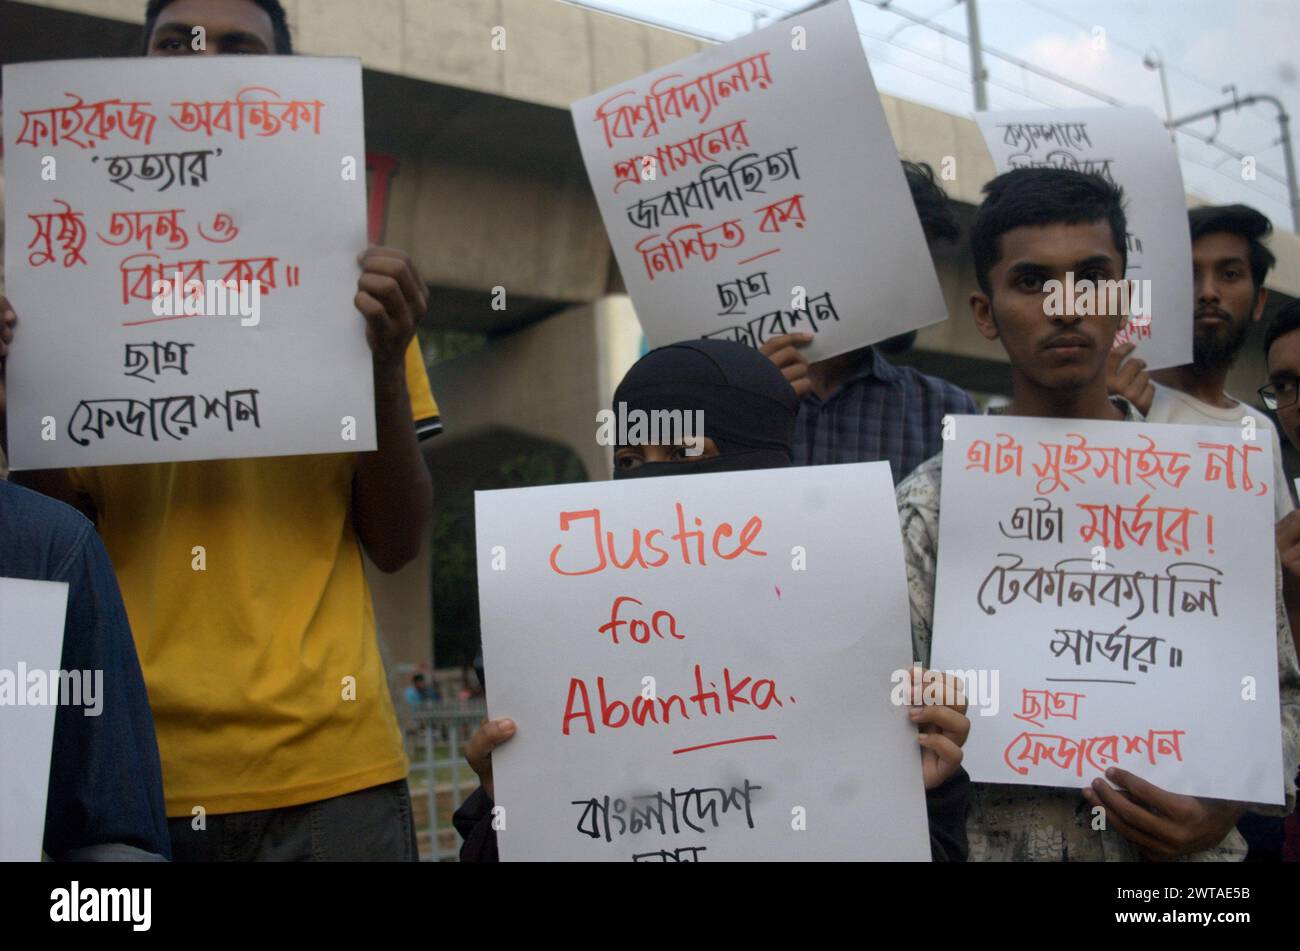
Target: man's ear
981, 308
1260, 300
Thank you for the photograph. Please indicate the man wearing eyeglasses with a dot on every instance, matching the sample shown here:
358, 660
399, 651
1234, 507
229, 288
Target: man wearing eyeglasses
1229, 264
1282, 353
1282, 395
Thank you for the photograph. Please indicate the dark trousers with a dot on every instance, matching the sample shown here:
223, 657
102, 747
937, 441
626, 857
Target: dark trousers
369, 825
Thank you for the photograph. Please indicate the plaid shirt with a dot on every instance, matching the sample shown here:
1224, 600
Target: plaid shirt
882, 412
1012, 823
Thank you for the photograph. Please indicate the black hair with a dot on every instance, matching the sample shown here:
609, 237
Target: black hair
932, 204
273, 9
1284, 321
1243, 221
1043, 196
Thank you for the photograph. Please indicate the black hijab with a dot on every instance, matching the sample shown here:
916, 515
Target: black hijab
749, 407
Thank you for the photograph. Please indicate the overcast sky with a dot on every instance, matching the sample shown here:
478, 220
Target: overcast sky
1205, 44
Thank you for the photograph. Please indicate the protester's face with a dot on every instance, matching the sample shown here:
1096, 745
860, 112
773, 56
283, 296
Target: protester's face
1284, 373
230, 26
1063, 351
1226, 302
633, 457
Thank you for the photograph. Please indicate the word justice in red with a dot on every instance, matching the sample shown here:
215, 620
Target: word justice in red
661, 708
687, 542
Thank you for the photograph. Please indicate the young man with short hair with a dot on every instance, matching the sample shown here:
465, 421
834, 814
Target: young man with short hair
1229, 265
1282, 395
1282, 359
1035, 225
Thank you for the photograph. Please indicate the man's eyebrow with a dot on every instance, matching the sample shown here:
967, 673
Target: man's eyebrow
1021, 267
242, 36
1097, 260
1232, 259
234, 36
173, 26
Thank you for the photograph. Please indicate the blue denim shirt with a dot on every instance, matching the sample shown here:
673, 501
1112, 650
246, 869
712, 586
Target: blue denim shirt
105, 797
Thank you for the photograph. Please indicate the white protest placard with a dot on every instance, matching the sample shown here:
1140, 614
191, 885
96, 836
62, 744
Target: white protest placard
31, 645
1116, 581
1131, 147
122, 174
700, 668
754, 189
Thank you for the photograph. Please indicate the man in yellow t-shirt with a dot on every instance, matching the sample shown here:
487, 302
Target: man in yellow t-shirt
244, 585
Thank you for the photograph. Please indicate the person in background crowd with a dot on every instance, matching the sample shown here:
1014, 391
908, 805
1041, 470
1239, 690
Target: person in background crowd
1037, 225
1229, 264
1282, 353
1282, 395
420, 693
859, 407
749, 412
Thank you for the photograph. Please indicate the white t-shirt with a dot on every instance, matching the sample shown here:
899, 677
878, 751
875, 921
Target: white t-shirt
1175, 406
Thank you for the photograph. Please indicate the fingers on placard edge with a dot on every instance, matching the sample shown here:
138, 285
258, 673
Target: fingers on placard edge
943, 747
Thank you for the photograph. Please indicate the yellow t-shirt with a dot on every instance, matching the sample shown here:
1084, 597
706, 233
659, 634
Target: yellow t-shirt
245, 661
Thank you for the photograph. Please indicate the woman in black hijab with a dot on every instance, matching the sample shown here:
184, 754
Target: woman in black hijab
749, 411
747, 406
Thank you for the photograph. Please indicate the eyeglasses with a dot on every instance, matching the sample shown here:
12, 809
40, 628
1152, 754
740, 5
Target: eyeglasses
1278, 395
